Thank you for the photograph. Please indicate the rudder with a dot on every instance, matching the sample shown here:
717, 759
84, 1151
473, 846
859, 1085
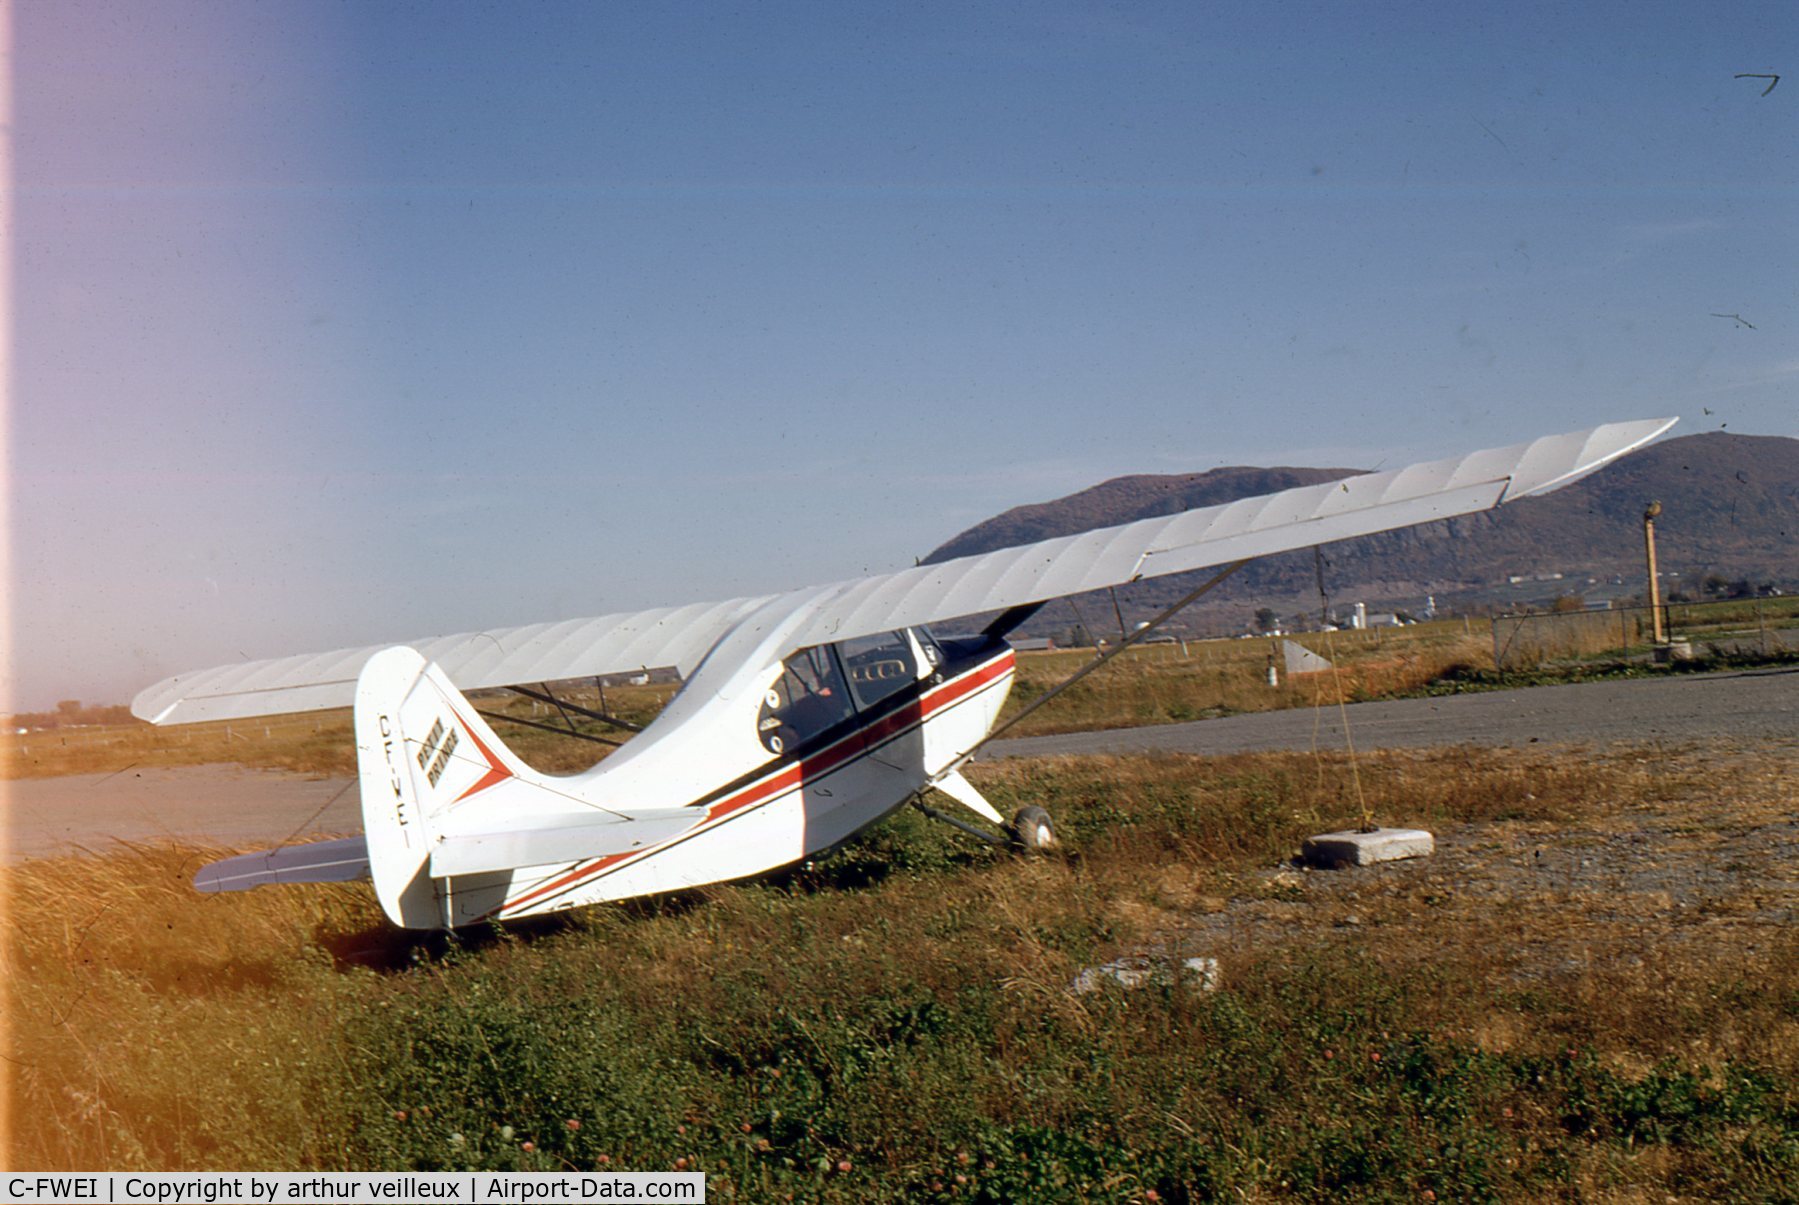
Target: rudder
420, 752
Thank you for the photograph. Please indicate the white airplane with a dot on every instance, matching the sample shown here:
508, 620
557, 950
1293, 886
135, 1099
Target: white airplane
803, 718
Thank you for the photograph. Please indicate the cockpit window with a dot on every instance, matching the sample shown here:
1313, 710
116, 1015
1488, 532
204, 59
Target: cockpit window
808, 698
878, 666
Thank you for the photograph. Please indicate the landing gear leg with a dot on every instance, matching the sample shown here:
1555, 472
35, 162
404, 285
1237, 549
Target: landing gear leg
1032, 831
954, 822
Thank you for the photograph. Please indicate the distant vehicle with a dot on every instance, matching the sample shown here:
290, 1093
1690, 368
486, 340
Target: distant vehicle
803, 718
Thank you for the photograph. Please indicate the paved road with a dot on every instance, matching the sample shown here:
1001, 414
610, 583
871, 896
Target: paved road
228, 805
220, 805
1753, 706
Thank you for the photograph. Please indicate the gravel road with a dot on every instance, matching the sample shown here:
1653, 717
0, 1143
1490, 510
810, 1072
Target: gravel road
233, 806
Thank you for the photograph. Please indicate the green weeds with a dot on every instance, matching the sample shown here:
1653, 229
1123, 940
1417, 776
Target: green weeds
894, 1022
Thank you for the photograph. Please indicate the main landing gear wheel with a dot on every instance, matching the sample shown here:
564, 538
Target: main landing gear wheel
1032, 831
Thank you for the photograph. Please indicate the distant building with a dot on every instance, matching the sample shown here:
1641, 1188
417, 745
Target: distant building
1032, 644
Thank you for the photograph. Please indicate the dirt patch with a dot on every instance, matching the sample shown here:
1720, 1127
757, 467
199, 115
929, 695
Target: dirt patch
1707, 875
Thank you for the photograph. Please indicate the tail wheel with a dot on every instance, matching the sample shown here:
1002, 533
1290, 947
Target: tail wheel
1032, 831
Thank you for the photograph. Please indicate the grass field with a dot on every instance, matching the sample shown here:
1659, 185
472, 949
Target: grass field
1164, 683
1591, 992
1549, 1009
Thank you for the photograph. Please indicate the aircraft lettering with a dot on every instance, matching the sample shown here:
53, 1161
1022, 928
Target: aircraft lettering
429, 746
443, 758
393, 770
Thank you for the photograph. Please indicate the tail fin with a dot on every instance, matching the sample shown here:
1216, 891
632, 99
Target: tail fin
442, 797
421, 751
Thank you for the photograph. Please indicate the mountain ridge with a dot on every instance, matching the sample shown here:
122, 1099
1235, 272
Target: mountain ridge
1730, 508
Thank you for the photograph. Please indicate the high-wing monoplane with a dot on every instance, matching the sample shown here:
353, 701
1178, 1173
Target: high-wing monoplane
802, 718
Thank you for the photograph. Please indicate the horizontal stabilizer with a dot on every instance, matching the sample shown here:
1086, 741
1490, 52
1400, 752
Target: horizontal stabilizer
545, 840
340, 861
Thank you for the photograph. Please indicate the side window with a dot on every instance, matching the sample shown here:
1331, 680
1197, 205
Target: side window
808, 698
878, 666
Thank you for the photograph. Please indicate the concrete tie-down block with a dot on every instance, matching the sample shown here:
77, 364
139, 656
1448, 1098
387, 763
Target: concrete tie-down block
1330, 851
1137, 970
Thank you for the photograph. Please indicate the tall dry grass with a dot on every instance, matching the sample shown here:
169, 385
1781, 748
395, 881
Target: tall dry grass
151, 1026
876, 1026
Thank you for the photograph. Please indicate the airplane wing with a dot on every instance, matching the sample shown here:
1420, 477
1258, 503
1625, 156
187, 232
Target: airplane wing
1217, 535
994, 581
544, 652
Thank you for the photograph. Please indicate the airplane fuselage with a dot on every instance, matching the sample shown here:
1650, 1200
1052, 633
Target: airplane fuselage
806, 800
835, 738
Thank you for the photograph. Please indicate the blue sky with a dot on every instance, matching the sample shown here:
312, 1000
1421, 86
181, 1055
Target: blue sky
341, 322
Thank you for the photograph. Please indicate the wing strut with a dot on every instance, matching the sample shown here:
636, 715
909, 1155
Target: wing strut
1129, 640
565, 706
569, 732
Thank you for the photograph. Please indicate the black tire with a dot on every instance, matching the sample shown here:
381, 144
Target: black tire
1032, 830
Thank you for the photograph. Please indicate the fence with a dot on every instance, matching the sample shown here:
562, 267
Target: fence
1764, 626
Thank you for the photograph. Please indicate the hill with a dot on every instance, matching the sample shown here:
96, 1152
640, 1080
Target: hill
1730, 510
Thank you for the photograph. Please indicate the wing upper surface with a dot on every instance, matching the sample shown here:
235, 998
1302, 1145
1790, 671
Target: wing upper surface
1111, 556
606, 644
1217, 535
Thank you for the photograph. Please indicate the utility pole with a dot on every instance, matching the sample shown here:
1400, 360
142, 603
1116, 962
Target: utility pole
1650, 514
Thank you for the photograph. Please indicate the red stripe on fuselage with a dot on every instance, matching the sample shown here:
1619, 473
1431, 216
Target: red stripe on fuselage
817, 766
